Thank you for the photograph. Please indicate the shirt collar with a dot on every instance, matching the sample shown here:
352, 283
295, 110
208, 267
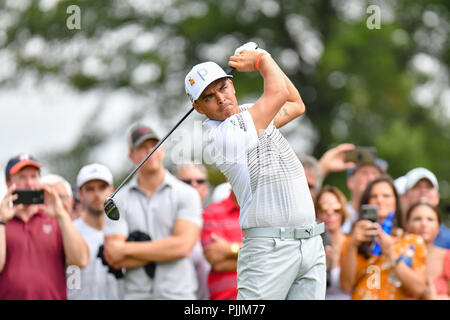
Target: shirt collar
168, 181
38, 213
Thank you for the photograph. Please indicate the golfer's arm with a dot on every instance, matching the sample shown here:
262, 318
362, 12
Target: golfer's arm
293, 108
179, 245
275, 94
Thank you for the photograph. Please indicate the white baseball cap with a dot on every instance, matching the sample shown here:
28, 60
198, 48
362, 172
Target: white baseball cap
400, 184
200, 76
94, 171
417, 174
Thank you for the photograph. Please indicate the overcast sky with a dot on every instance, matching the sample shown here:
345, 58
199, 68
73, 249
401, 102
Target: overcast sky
40, 117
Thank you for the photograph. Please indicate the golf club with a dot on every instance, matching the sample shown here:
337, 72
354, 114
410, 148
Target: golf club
110, 207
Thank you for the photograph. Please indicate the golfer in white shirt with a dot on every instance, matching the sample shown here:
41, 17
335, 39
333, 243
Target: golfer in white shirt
282, 256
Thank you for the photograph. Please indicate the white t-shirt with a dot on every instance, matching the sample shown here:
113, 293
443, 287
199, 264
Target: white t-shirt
334, 291
96, 283
351, 219
267, 177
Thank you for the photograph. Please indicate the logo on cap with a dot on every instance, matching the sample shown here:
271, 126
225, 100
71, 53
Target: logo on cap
24, 156
191, 81
143, 130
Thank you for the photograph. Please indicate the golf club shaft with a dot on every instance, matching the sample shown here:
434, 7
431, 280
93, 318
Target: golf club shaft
150, 153
228, 71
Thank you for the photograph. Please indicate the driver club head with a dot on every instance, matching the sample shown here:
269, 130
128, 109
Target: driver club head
111, 209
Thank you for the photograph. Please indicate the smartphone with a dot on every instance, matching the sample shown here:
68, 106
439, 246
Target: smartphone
368, 212
361, 155
29, 197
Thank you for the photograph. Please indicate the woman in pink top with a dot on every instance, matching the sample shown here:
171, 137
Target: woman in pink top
423, 219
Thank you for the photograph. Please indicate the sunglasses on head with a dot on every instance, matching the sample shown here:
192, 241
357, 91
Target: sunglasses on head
198, 181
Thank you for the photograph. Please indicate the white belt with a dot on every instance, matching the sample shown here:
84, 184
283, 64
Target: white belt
285, 233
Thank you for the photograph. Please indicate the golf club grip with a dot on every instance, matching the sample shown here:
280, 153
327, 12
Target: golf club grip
230, 70
151, 152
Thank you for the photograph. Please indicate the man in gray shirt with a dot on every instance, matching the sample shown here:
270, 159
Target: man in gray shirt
164, 209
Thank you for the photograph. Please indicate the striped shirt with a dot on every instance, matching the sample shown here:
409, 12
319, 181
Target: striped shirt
266, 176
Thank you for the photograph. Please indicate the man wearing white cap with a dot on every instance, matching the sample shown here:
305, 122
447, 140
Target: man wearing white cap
95, 184
422, 185
282, 256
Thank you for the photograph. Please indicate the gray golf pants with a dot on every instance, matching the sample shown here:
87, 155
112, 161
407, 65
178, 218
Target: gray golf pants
276, 269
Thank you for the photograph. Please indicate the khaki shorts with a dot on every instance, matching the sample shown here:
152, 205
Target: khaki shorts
275, 269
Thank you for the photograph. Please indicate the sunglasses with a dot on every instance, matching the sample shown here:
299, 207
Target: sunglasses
325, 208
198, 181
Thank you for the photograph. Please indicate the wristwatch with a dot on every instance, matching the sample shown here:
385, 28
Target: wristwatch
235, 248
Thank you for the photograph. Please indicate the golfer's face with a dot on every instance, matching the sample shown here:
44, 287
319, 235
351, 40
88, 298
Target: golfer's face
218, 101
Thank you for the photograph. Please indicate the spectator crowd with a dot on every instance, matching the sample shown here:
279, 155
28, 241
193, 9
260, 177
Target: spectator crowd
178, 239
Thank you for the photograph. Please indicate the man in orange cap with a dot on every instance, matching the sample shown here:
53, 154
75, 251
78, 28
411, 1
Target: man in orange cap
37, 241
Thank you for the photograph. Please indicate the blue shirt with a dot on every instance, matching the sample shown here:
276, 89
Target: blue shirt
443, 238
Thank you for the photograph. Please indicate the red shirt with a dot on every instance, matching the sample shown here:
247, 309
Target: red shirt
222, 218
35, 261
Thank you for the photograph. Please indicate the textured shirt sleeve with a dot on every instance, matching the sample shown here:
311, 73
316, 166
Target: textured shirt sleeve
233, 137
190, 206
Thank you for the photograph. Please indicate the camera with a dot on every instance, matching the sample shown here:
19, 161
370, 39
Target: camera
368, 212
28, 197
361, 155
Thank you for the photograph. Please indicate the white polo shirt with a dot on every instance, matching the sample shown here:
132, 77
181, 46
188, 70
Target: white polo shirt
267, 177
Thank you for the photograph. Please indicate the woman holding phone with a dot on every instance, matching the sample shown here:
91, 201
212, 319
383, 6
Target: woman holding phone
379, 261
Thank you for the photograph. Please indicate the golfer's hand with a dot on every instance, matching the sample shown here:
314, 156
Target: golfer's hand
250, 46
7, 210
244, 61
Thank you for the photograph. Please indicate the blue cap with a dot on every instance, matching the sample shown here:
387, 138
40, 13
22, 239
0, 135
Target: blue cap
19, 162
